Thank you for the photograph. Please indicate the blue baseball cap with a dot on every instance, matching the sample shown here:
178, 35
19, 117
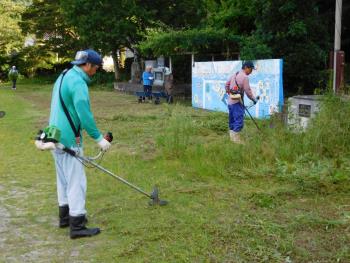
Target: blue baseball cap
248, 64
87, 56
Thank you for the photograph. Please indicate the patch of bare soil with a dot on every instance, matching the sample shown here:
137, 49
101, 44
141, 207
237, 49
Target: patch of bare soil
25, 237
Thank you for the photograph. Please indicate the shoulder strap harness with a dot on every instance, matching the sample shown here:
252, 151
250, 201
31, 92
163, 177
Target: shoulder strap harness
76, 131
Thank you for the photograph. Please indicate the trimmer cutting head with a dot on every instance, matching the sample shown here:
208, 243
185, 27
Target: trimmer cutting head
155, 198
2, 114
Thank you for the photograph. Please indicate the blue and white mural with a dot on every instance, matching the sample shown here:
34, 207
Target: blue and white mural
209, 78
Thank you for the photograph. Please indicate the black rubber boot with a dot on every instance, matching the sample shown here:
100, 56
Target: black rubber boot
78, 228
63, 213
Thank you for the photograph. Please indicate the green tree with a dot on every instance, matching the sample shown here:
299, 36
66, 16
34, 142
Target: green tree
296, 32
217, 27
176, 14
238, 16
107, 25
44, 20
239, 19
11, 38
197, 40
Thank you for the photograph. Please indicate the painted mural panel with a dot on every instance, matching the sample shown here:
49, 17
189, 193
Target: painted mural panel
209, 78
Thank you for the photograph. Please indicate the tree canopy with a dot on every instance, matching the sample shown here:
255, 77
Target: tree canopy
11, 38
107, 25
293, 30
299, 32
208, 40
44, 19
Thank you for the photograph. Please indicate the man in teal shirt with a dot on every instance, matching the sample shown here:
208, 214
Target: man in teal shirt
70, 100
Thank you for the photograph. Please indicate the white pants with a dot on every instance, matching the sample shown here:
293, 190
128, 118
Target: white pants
71, 182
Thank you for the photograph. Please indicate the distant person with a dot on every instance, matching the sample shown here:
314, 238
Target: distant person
147, 80
236, 87
13, 76
71, 113
169, 85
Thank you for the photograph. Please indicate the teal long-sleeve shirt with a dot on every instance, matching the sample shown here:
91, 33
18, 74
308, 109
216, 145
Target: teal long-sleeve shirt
75, 94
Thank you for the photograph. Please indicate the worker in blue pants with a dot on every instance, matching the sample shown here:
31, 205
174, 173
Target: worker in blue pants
236, 87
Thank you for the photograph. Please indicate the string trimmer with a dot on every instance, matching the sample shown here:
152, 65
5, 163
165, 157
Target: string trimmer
48, 139
251, 117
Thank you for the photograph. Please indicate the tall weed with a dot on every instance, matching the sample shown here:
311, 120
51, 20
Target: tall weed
329, 132
176, 136
315, 160
318, 158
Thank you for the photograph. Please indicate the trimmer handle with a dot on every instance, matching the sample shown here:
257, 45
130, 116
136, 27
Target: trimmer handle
108, 136
70, 151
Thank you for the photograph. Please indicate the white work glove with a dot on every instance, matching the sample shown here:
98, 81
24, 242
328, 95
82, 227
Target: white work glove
104, 144
45, 145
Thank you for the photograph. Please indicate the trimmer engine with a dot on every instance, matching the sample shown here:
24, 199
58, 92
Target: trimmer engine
49, 134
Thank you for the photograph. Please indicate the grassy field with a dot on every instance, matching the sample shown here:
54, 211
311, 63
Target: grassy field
282, 197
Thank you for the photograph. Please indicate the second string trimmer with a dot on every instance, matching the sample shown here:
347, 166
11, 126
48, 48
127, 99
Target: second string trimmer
251, 117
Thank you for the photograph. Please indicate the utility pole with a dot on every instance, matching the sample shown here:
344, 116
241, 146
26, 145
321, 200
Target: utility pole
337, 39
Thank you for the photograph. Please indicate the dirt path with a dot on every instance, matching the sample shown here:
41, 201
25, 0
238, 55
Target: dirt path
22, 239
4, 222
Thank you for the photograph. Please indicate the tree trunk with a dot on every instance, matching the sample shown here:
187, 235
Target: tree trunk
115, 65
